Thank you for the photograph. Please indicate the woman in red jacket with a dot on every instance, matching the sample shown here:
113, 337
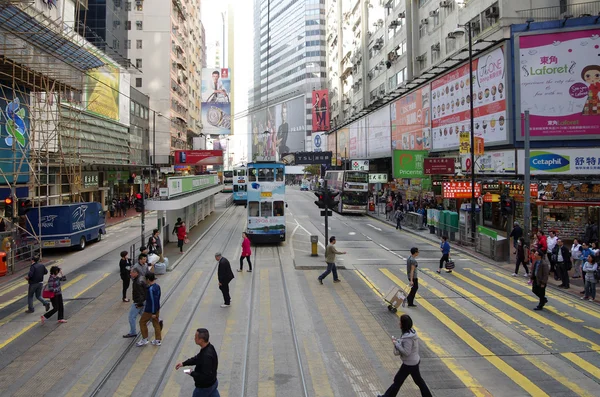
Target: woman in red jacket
246, 252
181, 236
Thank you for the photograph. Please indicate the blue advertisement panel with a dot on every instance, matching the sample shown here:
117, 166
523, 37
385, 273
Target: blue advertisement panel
266, 199
14, 127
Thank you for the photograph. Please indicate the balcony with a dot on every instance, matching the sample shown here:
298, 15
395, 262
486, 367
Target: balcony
558, 12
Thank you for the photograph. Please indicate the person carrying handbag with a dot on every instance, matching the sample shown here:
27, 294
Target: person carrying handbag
53, 291
445, 248
522, 257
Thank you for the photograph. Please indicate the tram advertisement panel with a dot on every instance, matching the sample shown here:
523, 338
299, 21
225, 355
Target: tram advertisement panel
266, 201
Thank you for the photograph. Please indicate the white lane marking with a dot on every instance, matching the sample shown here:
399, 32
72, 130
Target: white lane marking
374, 227
303, 228
372, 259
322, 224
384, 247
351, 233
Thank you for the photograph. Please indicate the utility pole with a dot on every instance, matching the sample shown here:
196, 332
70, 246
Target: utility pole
143, 217
326, 195
527, 182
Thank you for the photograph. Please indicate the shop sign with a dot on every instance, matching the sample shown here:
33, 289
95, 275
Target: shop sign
115, 176
409, 163
188, 184
311, 157
570, 191
491, 186
459, 190
439, 166
517, 190
167, 170
562, 161
491, 198
378, 178
90, 180
360, 165
497, 162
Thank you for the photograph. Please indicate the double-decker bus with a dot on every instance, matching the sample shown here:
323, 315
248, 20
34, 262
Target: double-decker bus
353, 187
266, 202
240, 180
227, 181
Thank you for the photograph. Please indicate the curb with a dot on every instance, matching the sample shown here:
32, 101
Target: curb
127, 219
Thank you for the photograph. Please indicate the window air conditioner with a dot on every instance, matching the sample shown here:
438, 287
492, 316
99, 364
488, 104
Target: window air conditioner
424, 21
420, 58
445, 4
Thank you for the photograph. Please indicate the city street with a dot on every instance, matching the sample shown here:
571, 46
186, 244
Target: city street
286, 335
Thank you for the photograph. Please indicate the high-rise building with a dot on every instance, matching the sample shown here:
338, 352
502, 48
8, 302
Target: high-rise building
102, 23
166, 44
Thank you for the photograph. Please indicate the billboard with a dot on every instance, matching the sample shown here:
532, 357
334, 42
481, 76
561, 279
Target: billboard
102, 90
559, 81
277, 130
320, 110
409, 163
199, 157
357, 145
411, 121
319, 142
342, 144
216, 107
14, 128
439, 166
379, 133
450, 102
562, 161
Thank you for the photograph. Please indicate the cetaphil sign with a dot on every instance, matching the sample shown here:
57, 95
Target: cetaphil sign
562, 161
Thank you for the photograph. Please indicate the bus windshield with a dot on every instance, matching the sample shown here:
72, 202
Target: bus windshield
228, 174
240, 172
353, 176
354, 198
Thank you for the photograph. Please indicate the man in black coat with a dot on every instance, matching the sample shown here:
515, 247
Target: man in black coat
35, 278
206, 362
562, 257
516, 234
225, 276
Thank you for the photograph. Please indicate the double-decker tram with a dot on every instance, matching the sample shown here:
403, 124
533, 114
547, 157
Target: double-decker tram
227, 181
353, 187
240, 181
266, 202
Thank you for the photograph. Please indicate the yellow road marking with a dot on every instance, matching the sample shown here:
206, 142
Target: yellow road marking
91, 286
316, 368
143, 361
589, 367
13, 287
596, 330
530, 313
541, 365
461, 373
266, 361
474, 344
16, 298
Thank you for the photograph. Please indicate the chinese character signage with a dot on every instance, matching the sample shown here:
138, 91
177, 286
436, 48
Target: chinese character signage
451, 101
199, 157
460, 190
301, 158
216, 106
90, 180
359, 165
409, 163
562, 161
320, 110
378, 178
559, 83
411, 121
439, 166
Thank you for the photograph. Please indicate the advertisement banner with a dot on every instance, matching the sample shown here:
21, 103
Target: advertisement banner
409, 163
460, 190
14, 127
312, 158
378, 178
411, 122
277, 130
216, 106
359, 165
188, 184
320, 110
559, 84
103, 92
319, 142
342, 145
500, 162
450, 100
199, 157
357, 145
439, 166
562, 161
379, 133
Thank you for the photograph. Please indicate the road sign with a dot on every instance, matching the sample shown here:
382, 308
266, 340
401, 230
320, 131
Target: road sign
329, 213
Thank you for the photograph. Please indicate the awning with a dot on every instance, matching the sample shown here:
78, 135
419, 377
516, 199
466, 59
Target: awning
554, 203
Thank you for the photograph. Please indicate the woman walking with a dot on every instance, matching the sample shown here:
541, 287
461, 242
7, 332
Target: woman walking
522, 257
181, 236
408, 347
246, 253
590, 268
53, 286
124, 268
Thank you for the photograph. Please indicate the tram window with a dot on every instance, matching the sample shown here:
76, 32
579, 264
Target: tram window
253, 208
252, 174
241, 188
265, 175
235, 188
278, 208
240, 172
266, 209
279, 175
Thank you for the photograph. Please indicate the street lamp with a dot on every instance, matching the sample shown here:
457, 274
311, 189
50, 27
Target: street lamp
459, 31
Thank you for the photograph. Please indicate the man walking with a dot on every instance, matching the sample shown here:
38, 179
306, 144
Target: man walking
576, 258
138, 289
551, 240
413, 276
151, 312
330, 253
206, 364
539, 278
516, 234
35, 278
225, 276
563, 262
445, 248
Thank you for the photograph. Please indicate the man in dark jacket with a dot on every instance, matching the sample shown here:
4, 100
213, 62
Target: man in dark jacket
225, 276
207, 363
138, 295
562, 257
35, 277
539, 277
516, 234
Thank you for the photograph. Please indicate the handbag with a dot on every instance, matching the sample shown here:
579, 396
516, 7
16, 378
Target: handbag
186, 241
449, 264
46, 293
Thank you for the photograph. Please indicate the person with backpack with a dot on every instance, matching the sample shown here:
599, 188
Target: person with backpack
591, 278
124, 268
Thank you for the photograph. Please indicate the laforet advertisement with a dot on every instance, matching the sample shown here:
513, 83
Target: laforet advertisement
103, 92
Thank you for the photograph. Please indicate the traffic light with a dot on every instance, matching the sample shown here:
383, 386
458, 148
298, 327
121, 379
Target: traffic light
321, 200
507, 206
139, 202
8, 207
24, 205
332, 203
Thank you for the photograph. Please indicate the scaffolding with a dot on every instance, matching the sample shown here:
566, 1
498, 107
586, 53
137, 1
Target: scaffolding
47, 72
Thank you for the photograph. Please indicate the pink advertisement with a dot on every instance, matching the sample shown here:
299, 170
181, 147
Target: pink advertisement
560, 83
411, 121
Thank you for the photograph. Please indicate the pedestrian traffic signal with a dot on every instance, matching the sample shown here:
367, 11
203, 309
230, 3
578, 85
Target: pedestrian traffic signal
24, 205
139, 202
507, 206
8, 208
332, 203
321, 200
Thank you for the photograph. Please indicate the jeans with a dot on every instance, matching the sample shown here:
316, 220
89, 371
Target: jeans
519, 262
403, 372
225, 290
207, 391
331, 268
144, 325
577, 267
57, 306
563, 273
590, 289
133, 313
242, 262
35, 289
180, 245
410, 299
540, 292
445, 258
126, 281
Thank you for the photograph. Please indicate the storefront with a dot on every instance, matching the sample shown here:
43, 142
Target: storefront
492, 212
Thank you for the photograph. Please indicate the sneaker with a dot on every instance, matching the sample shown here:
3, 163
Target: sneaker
223, 305
337, 281
62, 321
156, 342
529, 282
129, 335
42, 319
320, 281
142, 342
590, 300
538, 308
514, 274
249, 270
160, 324
30, 311
239, 270
526, 275
584, 298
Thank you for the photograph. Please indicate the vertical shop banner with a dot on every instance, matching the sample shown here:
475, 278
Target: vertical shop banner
102, 90
343, 151
559, 83
215, 106
409, 163
14, 128
450, 102
357, 145
320, 110
411, 121
378, 128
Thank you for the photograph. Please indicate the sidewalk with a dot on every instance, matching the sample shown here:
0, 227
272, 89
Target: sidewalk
131, 213
576, 285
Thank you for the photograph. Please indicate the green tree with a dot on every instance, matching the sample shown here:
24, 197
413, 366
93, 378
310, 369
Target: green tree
313, 169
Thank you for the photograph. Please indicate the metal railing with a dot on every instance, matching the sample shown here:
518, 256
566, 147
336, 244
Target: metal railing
558, 12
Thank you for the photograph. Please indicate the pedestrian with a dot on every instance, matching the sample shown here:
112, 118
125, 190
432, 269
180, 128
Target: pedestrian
156, 235
53, 288
388, 210
142, 265
585, 252
225, 275
576, 258
522, 257
246, 253
35, 279
398, 216
330, 253
181, 236
408, 347
551, 241
413, 276
445, 248
206, 364
591, 232
562, 256
542, 243
151, 312
590, 267
539, 278
138, 295
177, 224
516, 234
111, 209
125, 267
